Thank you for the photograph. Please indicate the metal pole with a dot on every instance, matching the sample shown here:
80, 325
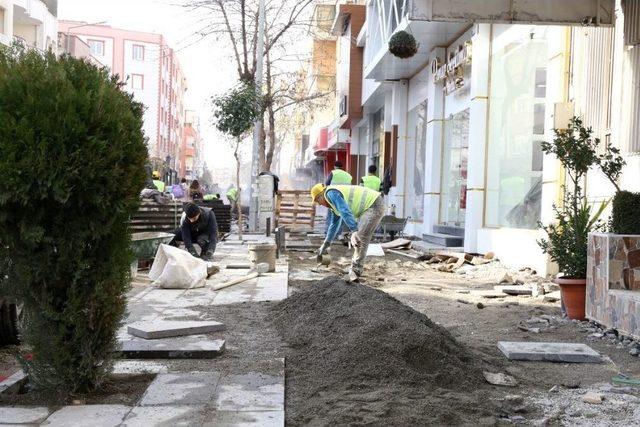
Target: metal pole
257, 129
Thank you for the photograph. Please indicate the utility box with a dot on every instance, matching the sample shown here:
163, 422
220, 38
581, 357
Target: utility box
266, 202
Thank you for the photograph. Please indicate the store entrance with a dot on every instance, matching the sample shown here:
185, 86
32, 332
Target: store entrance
453, 199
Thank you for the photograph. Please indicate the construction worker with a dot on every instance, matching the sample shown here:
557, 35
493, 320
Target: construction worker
350, 203
372, 180
157, 181
198, 226
338, 176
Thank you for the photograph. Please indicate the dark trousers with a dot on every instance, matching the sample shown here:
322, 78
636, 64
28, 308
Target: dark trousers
201, 240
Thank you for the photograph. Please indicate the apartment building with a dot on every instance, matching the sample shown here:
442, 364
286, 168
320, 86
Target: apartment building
33, 22
191, 162
151, 71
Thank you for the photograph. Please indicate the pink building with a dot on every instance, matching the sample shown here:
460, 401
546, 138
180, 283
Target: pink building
152, 73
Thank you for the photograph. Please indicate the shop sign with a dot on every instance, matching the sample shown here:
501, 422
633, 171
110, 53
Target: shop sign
451, 72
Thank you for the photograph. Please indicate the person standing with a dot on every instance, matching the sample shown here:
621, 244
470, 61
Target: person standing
159, 184
372, 180
195, 191
198, 226
337, 177
350, 203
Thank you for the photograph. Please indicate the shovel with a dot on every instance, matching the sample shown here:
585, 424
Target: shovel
260, 269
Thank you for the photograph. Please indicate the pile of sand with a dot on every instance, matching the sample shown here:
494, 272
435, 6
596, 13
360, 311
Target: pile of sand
356, 356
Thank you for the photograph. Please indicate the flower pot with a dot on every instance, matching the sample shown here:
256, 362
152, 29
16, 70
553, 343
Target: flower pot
574, 294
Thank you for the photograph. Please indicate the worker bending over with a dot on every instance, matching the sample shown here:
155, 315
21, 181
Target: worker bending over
198, 226
348, 204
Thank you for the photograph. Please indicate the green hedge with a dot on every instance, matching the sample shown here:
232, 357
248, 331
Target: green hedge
72, 156
625, 216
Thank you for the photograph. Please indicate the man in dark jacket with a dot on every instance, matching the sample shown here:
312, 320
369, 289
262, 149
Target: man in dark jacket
198, 227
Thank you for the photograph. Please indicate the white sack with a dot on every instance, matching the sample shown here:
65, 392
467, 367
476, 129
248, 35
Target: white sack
174, 268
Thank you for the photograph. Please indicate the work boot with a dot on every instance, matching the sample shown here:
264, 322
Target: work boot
208, 255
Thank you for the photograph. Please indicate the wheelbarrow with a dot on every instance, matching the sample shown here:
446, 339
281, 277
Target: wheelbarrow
392, 225
145, 245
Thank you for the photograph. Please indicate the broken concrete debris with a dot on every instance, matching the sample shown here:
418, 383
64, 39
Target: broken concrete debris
500, 379
593, 398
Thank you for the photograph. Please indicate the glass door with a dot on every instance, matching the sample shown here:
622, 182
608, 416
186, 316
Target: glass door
453, 197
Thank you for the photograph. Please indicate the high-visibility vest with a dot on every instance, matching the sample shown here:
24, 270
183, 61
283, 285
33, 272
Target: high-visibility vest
232, 194
159, 185
340, 177
371, 181
359, 199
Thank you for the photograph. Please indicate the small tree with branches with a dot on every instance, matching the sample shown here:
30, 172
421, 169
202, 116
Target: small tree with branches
234, 114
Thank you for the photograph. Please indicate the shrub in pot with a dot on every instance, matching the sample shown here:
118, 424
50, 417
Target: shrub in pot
566, 241
72, 156
403, 45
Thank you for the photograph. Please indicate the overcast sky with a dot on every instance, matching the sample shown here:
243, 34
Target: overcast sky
205, 65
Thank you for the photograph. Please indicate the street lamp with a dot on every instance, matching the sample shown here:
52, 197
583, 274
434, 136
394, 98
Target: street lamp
68, 32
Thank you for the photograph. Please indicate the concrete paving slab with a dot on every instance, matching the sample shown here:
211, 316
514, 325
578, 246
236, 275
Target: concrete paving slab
491, 294
181, 313
182, 389
549, 352
145, 416
251, 392
13, 383
139, 367
173, 328
22, 415
513, 289
190, 347
245, 419
162, 296
88, 416
375, 249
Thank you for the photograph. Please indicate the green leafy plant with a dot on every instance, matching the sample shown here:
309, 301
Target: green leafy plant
625, 213
72, 156
566, 241
234, 114
403, 45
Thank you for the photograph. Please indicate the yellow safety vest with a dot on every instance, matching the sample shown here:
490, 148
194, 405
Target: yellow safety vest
372, 182
359, 199
341, 177
159, 185
232, 194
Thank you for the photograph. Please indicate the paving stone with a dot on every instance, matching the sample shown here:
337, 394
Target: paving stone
22, 415
13, 383
88, 415
489, 294
549, 352
139, 367
251, 392
190, 347
248, 419
375, 249
191, 388
144, 416
514, 290
168, 328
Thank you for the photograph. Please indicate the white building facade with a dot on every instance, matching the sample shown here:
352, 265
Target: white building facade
33, 22
458, 127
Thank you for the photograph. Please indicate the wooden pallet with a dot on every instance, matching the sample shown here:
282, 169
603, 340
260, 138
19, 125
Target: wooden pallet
166, 217
295, 210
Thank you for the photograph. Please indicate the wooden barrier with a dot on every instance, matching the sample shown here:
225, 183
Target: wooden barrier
153, 216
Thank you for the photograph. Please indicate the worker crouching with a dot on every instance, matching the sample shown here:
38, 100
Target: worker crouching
198, 226
351, 203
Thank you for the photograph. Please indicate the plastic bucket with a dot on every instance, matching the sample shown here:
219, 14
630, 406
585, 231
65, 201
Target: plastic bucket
263, 252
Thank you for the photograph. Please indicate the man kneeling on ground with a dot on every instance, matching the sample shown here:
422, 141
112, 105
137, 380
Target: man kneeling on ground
198, 226
350, 203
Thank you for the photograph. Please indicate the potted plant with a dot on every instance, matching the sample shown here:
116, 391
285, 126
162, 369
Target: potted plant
566, 241
403, 45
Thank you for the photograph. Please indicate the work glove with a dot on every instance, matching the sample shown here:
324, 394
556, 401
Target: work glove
192, 251
208, 256
355, 239
323, 250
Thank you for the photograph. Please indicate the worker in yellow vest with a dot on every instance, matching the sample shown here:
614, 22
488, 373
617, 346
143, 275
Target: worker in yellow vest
372, 180
157, 182
350, 203
337, 177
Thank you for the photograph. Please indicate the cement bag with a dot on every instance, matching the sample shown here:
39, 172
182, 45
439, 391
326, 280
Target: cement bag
174, 268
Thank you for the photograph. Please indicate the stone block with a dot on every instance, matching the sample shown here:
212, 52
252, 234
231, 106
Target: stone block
245, 419
182, 389
144, 416
513, 290
549, 352
166, 328
88, 416
251, 392
489, 294
136, 367
191, 347
22, 415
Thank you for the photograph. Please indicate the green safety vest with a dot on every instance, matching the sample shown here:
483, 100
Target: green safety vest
371, 181
232, 194
359, 199
159, 185
340, 177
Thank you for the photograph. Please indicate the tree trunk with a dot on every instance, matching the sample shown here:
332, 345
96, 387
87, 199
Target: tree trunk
262, 142
272, 137
239, 201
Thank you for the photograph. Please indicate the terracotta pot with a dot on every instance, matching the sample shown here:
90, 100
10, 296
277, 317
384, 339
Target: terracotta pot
574, 295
